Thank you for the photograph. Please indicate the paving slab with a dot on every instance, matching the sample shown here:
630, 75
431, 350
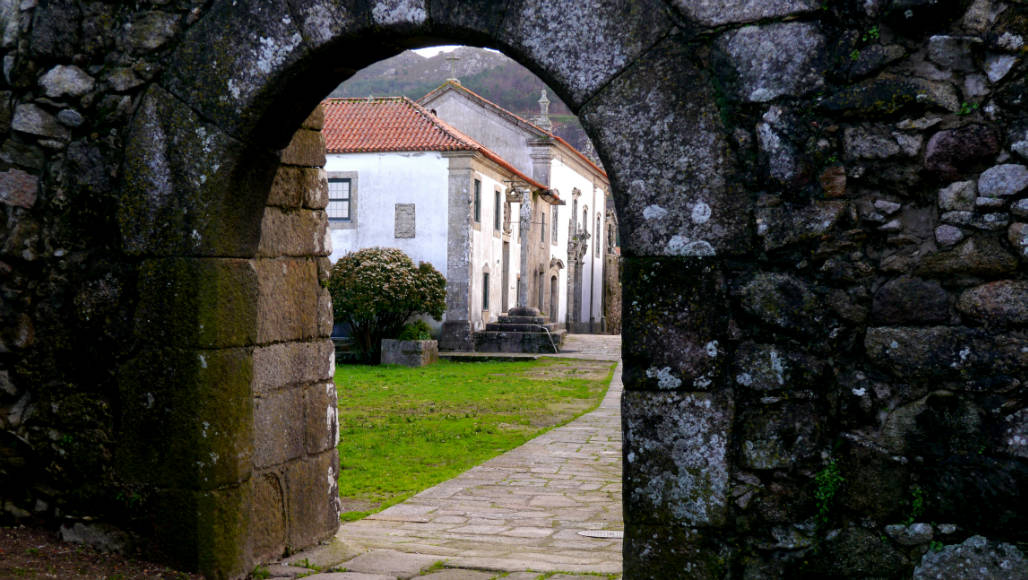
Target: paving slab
351, 576
523, 576
283, 571
391, 563
519, 513
457, 574
324, 556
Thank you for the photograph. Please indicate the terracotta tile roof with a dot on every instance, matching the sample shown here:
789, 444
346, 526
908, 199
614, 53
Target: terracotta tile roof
450, 85
387, 124
384, 124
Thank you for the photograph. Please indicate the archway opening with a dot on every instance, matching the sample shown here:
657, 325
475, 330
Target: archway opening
247, 113
482, 192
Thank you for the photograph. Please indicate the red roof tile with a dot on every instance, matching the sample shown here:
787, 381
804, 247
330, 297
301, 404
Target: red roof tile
387, 124
383, 124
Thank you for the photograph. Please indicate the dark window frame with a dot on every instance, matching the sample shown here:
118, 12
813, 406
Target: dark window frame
477, 203
485, 290
497, 210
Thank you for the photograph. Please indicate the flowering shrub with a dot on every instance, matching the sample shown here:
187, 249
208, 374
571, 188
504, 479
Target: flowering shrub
376, 290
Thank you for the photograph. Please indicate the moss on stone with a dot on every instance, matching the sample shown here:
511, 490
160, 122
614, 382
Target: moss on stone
197, 302
875, 98
186, 418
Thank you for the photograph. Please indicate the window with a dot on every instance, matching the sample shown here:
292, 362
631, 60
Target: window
542, 228
485, 291
342, 200
585, 224
478, 201
339, 200
596, 234
497, 212
553, 221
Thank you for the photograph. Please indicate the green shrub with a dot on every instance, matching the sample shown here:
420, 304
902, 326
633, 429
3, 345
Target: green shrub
417, 330
376, 290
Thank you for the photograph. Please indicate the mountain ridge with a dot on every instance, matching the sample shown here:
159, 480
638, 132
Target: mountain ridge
486, 72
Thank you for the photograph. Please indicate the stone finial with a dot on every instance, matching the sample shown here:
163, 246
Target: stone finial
543, 118
453, 69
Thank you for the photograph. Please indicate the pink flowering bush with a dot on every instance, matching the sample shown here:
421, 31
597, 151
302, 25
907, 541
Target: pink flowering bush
377, 290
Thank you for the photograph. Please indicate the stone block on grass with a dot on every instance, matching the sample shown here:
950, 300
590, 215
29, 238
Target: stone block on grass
409, 353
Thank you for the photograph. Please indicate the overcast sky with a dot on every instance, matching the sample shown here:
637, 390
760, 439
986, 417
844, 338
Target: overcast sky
434, 50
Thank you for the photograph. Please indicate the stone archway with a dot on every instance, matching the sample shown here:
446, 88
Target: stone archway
206, 134
797, 265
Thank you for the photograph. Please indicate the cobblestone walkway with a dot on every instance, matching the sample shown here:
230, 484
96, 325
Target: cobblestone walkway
520, 513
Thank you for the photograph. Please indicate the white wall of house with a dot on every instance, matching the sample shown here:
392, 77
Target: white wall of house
559, 250
383, 180
487, 249
566, 177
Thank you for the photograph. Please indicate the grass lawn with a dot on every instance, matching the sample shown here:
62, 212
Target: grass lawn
402, 430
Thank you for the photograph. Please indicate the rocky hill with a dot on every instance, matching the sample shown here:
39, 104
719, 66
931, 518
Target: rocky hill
487, 72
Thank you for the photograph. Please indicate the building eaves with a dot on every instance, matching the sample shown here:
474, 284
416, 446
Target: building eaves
398, 124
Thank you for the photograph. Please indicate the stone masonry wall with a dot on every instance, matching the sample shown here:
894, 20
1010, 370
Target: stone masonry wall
823, 224
296, 500
843, 393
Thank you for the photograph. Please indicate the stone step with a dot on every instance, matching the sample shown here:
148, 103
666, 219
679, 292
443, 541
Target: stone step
523, 319
535, 342
515, 327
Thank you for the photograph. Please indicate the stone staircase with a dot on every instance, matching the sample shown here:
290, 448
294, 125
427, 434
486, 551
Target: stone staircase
520, 330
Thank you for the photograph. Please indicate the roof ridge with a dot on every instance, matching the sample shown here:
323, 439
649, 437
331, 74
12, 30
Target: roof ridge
442, 125
457, 133
457, 85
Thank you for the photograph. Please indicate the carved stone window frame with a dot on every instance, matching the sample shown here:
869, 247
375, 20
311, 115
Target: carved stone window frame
350, 224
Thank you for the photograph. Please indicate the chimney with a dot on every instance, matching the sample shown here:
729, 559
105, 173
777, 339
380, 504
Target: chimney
543, 118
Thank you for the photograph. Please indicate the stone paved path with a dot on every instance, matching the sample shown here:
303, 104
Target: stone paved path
520, 513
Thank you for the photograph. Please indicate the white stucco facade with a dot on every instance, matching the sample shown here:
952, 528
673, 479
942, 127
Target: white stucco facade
451, 198
585, 199
380, 181
580, 184
487, 241
482, 123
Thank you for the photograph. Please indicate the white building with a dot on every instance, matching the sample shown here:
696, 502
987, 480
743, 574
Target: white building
441, 181
571, 265
401, 177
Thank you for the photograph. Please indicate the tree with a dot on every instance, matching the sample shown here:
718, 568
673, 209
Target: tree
376, 290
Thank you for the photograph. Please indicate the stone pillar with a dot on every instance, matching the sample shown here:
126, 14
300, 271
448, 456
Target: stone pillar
542, 157
677, 414
223, 407
456, 332
186, 425
524, 234
295, 502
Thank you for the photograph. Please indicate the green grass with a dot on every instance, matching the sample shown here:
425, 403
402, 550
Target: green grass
403, 430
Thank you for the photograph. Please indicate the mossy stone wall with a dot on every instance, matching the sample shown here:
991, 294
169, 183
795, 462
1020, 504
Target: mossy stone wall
824, 218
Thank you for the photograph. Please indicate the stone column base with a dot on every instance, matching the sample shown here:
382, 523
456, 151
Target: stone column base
456, 335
